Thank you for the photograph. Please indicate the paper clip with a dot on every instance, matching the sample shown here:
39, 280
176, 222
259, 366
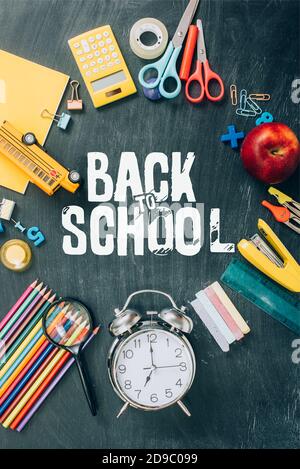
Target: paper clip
260, 96
243, 99
233, 94
74, 104
62, 121
246, 112
252, 105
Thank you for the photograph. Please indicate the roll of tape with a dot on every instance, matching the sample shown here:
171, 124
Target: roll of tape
147, 25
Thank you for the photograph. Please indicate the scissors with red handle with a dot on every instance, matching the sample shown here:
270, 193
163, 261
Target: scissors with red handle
203, 75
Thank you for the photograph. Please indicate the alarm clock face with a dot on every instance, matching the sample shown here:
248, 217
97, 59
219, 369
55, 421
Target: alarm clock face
153, 368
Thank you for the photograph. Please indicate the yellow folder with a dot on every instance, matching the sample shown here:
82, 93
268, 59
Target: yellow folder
26, 88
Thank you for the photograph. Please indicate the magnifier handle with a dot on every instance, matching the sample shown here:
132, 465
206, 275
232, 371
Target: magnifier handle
86, 385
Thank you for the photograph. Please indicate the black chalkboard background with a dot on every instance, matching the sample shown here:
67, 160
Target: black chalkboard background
244, 399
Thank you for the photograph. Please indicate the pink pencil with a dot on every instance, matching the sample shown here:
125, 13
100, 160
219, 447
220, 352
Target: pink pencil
22, 298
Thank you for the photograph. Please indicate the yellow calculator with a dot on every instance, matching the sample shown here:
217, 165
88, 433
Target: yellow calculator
102, 66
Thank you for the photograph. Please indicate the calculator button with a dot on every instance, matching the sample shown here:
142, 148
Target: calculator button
114, 55
76, 45
108, 41
103, 67
90, 56
96, 70
101, 44
97, 53
106, 34
104, 50
107, 58
85, 45
82, 59
100, 61
110, 64
85, 66
94, 46
98, 36
91, 39
79, 52
111, 48
92, 64
88, 74
118, 61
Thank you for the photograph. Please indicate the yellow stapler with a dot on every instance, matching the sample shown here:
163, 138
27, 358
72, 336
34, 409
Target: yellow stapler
280, 266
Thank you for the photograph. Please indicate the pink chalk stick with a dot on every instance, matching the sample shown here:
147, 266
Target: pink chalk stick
223, 311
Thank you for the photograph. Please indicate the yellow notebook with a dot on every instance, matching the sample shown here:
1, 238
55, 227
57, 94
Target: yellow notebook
26, 88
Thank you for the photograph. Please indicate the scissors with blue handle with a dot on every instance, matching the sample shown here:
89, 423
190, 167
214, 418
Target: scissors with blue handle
165, 68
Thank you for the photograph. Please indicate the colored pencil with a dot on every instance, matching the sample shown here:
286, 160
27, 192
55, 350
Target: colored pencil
16, 306
13, 346
11, 404
41, 378
40, 395
16, 377
23, 377
31, 382
20, 310
23, 354
10, 397
24, 315
32, 319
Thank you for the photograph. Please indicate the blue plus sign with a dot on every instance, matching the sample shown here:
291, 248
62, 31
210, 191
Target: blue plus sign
232, 136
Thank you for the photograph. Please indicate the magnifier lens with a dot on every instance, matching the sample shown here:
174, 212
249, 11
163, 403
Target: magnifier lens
68, 323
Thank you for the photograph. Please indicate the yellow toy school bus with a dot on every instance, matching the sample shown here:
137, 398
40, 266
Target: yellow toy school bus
41, 169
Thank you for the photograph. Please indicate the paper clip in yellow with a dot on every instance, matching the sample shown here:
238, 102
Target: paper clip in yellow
280, 266
74, 104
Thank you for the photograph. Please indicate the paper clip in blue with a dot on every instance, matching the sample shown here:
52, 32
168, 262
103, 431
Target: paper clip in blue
252, 105
245, 112
248, 107
62, 120
243, 99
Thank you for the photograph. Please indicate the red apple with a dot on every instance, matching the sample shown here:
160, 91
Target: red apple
271, 152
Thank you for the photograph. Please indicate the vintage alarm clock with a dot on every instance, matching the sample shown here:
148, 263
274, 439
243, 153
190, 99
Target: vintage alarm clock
151, 363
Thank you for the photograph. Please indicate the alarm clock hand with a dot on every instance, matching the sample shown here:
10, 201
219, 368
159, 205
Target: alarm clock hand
149, 377
151, 352
169, 366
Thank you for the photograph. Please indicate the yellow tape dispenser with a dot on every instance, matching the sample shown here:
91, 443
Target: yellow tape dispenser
280, 266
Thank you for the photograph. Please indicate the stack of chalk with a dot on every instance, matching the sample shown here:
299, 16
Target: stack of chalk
220, 316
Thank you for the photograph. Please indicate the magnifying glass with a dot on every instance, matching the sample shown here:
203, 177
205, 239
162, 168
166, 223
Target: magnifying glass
67, 324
